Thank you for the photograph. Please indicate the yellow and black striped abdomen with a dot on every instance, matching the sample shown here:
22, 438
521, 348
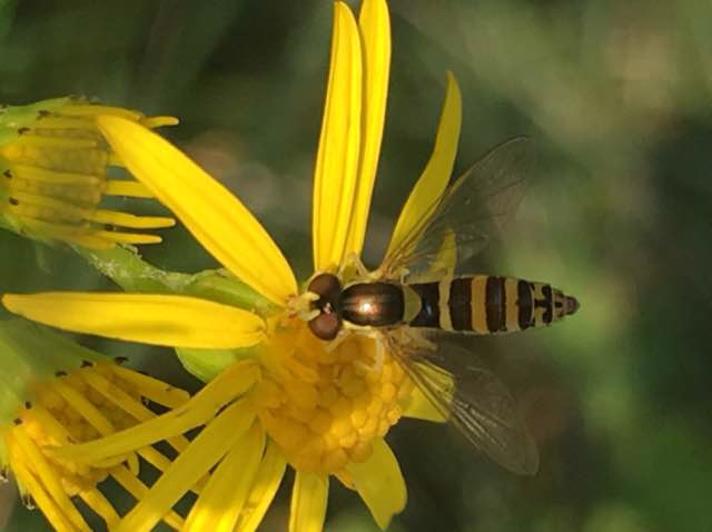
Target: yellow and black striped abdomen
487, 304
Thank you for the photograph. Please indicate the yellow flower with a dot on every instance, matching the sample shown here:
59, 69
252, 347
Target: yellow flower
281, 396
55, 392
53, 166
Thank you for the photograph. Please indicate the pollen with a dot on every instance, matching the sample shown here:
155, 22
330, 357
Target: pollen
54, 176
324, 404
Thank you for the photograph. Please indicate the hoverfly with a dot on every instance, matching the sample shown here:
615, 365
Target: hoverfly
412, 306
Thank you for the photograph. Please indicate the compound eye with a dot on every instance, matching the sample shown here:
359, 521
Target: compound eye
327, 286
325, 326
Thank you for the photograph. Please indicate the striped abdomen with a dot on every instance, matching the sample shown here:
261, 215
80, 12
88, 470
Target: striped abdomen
481, 304
485, 304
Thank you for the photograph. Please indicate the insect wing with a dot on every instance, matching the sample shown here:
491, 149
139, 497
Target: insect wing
474, 400
472, 210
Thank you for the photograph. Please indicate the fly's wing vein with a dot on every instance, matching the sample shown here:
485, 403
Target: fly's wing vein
474, 208
473, 399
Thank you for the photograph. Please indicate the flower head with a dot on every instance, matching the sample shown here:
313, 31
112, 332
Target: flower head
286, 396
56, 392
53, 165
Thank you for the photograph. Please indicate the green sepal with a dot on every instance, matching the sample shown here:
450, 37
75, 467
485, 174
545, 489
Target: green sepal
14, 117
206, 364
29, 355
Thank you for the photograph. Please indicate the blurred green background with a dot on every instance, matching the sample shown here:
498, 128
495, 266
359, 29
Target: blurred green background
617, 96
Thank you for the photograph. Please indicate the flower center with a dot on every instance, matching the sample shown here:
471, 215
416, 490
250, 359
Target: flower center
325, 403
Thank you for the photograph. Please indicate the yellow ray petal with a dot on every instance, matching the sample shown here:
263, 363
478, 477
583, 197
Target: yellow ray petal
153, 389
380, 483
135, 408
134, 189
374, 23
204, 452
264, 488
444, 263
132, 221
46, 475
100, 505
308, 508
420, 407
435, 176
228, 386
446, 259
221, 223
32, 485
220, 503
135, 486
168, 320
336, 169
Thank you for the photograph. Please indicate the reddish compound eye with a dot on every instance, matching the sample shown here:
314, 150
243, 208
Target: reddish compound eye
328, 323
325, 326
327, 286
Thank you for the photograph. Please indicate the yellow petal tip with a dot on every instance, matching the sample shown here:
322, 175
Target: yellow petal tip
215, 217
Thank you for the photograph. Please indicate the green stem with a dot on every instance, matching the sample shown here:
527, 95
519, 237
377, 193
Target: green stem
127, 269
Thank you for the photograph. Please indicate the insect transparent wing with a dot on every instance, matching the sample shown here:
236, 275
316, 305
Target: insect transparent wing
474, 400
474, 208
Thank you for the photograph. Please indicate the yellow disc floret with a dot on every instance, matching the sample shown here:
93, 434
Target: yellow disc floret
324, 403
